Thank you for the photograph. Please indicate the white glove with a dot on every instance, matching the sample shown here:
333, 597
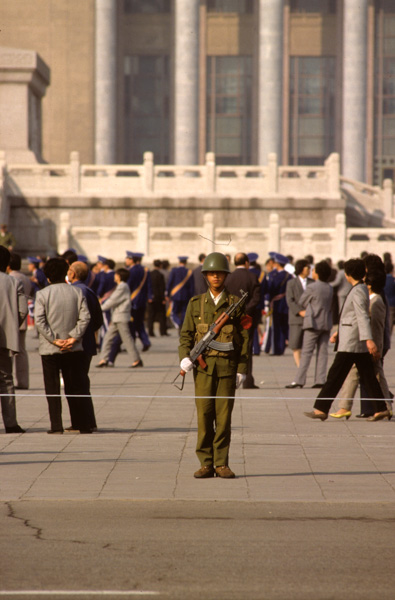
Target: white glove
240, 379
186, 364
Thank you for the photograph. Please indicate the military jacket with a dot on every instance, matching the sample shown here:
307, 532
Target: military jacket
201, 313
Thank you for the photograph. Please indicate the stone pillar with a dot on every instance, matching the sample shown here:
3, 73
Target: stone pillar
64, 232
211, 172
354, 88
186, 82
272, 173
388, 198
75, 172
332, 166
105, 81
274, 233
24, 78
149, 173
270, 75
209, 233
143, 233
340, 249
4, 204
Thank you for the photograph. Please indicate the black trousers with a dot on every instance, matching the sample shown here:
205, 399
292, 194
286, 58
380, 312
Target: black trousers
74, 377
85, 366
156, 312
338, 373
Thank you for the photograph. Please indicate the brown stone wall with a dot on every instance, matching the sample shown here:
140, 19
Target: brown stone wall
62, 32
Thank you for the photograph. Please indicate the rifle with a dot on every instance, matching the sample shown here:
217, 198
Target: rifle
208, 341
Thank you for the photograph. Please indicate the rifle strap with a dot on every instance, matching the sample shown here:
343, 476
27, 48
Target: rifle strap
202, 302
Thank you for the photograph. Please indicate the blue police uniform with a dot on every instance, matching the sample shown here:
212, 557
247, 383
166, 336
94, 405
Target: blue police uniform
278, 332
140, 292
39, 274
180, 289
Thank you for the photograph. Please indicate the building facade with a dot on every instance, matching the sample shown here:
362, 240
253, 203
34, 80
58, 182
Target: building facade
240, 78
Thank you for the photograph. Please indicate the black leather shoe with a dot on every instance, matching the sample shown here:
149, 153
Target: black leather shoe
15, 429
204, 472
293, 385
146, 347
314, 415
364, 415
55, 431
317, 386
139, 363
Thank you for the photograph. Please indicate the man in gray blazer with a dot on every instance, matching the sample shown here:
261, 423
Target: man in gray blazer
13, 311
316, 302
293, 292
61, 315
21, 359
355, 345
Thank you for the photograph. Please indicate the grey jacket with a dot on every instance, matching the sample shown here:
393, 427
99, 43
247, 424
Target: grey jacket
13, 311
60, 312
293, 293
317, 300
342, 286
120, 304
354, 326
378, 315
28, 290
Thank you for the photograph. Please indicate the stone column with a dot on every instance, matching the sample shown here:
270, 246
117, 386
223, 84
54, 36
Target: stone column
354, 88
186, 82
24, 78
270, 75
105, 81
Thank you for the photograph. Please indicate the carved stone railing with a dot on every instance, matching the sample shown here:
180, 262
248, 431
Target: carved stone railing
371, 198
149, 179
168, 242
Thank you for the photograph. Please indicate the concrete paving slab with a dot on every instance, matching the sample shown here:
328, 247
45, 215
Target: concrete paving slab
145, 444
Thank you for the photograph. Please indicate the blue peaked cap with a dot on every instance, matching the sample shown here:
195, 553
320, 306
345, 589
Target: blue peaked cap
130, 254
279, 258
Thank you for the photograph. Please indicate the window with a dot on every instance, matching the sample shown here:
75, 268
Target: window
147, 6
312, 115
235, 6
314, 6
229, 109
146, 108
384, 101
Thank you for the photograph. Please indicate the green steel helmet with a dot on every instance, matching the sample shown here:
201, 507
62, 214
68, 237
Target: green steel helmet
216, 262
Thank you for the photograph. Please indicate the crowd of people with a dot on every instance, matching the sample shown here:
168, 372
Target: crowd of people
81, 310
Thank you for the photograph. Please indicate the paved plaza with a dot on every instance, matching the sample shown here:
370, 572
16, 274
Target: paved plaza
310, 515
145, 445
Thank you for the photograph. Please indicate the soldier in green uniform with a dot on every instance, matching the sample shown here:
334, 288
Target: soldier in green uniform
215, 384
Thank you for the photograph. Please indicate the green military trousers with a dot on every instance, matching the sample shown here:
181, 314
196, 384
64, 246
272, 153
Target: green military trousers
214, 415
